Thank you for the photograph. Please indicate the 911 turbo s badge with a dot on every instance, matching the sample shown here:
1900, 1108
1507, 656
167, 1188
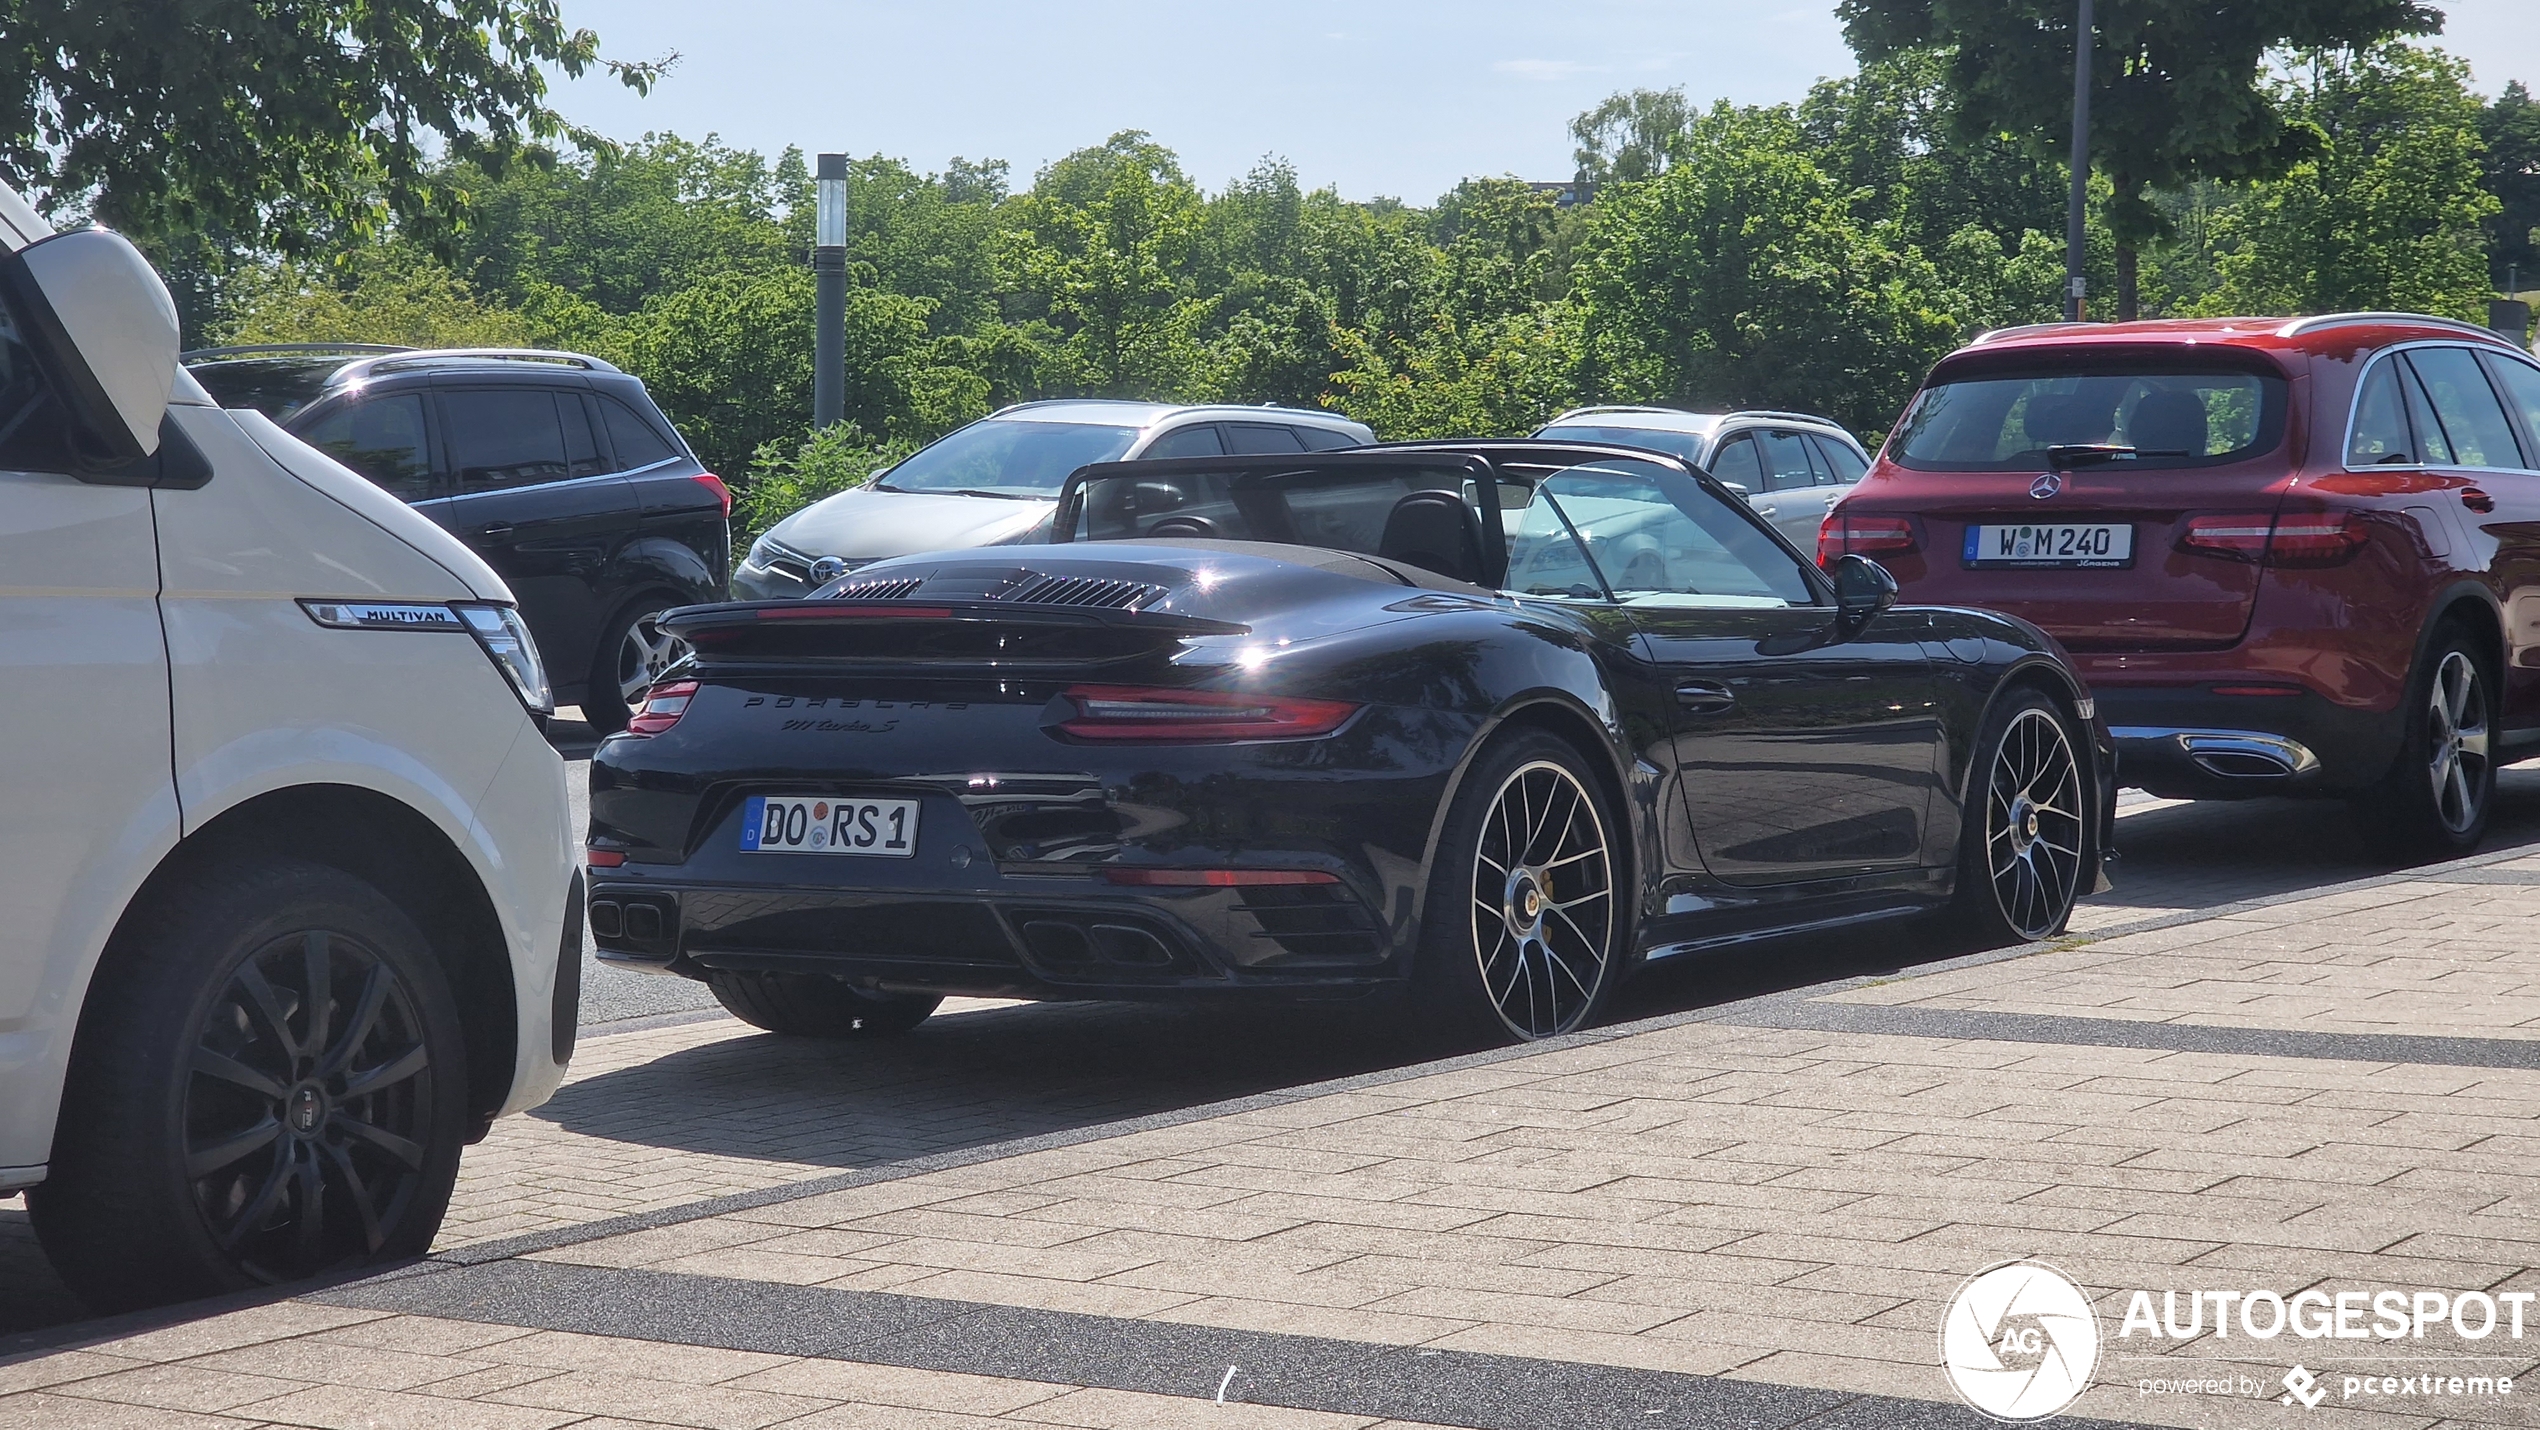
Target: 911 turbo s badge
2046, 485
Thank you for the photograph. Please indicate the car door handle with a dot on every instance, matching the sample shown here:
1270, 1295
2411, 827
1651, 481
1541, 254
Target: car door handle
494, 531
1768, 511
1705, 697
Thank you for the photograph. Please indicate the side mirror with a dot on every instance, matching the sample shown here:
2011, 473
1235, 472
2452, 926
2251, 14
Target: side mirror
103, 332
1738, 490
1862, 589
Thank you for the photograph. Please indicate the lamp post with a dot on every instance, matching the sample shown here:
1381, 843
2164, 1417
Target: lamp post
2076, 234
829, 304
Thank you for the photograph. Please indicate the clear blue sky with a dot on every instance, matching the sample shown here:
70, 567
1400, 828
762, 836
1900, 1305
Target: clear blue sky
1386, 97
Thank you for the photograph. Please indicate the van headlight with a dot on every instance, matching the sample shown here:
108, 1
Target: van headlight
507, 643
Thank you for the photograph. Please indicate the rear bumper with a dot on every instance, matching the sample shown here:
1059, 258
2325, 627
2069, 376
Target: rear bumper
1065, 938
2189, 743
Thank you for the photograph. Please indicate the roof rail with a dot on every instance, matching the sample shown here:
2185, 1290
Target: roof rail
1787, 416
2300, 326
2023, 329
425, 357
1619, 407
251, 350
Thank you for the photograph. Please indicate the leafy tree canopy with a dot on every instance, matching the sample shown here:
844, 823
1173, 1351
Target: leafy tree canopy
276, 120
2178, 87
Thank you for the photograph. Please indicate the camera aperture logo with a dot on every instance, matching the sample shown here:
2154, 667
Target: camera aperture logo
2019, 1341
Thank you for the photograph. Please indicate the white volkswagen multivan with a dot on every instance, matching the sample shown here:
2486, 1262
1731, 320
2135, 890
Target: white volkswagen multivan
289, 900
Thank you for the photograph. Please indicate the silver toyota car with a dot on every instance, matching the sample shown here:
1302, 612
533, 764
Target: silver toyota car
1791, 467
996, 481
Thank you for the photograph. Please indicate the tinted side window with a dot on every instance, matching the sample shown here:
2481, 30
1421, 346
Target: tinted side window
504, 439
1787, 453
1199, 441
381, 438
2481, 437
2380, 436
1246, 438
1842, 462
2520, 382
1323, 439
637, 444
2432, 449
581, 442
1738, 462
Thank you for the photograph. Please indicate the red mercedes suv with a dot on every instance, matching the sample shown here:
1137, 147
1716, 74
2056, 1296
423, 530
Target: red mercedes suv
2291, 557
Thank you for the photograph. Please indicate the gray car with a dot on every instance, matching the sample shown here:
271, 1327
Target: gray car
1791, 467
996, 481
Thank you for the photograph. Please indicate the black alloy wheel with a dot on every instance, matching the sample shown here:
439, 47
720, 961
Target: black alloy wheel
269, 1084
1531, 946
2435, 800
2027, 837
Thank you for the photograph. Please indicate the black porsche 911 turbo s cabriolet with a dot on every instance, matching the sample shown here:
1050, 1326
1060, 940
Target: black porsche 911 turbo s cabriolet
1495, 722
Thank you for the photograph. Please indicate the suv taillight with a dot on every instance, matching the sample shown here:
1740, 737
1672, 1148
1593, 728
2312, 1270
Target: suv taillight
1118, 712
1844, 534
722, 493
662, 707
2307, 539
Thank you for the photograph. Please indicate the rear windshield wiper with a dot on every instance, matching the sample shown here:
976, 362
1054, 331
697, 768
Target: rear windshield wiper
2095, 453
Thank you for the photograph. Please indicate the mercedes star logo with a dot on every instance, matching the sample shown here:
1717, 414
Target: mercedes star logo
2046, 485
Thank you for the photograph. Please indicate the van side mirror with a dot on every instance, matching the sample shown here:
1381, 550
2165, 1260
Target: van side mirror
102, 330
1738, 490
1862, 589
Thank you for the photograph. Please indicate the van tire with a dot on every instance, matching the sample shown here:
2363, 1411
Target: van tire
812, 1005
272, 1005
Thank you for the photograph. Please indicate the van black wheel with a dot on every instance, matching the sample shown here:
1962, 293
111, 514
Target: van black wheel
2435, 800
2027, 847
1526, 926
634, 654
810, 1005
269, 1083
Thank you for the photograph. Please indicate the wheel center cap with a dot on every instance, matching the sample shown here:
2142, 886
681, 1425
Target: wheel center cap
1532, 904
304, 1111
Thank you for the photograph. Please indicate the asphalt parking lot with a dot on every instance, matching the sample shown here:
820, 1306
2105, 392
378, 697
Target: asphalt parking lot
701, 1112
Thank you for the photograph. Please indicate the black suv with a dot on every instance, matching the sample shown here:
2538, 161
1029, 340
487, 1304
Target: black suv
555, 467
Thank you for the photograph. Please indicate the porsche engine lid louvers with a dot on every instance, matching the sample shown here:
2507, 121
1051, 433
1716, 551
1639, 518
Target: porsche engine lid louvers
1020, 588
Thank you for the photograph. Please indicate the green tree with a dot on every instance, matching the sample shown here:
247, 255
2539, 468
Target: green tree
1100, 245
276, 119
2511, 127
2178, 88
1741, 277
392, 293
1631, 136
2387, 214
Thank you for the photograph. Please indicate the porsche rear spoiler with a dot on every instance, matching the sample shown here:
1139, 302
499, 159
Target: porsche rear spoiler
959, 633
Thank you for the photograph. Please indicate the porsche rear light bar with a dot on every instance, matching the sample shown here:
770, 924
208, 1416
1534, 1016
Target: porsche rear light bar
1844, 534
1214, 878
1126, 712
2305, 539
662, 707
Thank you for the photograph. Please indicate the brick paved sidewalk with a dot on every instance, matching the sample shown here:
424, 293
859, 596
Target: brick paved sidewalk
1749, 1215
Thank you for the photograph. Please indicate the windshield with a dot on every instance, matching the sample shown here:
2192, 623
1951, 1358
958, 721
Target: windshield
276, 387
1005, 457
2168, 417
1687, 445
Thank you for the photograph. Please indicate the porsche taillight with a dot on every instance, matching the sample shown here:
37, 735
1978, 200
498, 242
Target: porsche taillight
1844, 534
662, 707
1159, 716
2308, 539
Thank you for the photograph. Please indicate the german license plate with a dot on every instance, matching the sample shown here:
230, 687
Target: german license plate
819, 824
2052, 543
